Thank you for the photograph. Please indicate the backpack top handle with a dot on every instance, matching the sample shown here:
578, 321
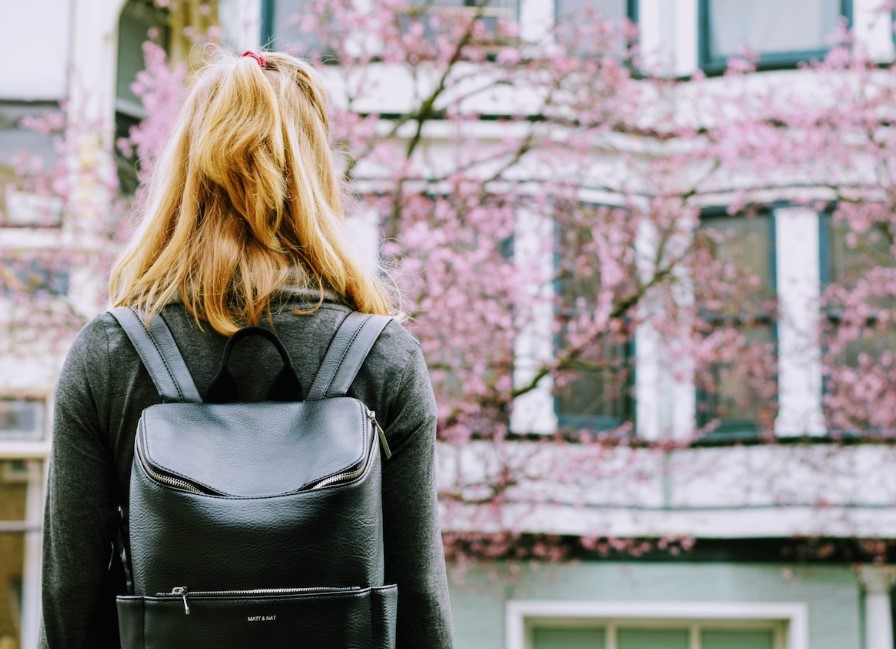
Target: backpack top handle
286, 385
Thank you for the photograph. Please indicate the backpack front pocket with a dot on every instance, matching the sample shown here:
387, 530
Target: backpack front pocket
307, 618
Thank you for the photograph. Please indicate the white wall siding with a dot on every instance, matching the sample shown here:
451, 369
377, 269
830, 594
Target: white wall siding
34, 49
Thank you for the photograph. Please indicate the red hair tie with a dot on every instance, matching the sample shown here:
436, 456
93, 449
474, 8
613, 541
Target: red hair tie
258, 57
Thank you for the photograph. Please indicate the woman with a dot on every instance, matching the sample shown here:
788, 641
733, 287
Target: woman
243, 225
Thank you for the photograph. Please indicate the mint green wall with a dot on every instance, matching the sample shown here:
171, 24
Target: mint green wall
831, 592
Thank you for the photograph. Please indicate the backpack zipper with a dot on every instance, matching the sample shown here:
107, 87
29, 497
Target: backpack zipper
178, 483
182, 592
382, 434
171, 481
347, 475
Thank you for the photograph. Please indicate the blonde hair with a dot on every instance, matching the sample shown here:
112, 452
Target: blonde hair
244, 200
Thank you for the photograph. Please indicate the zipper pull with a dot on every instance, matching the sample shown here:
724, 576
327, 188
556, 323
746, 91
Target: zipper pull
182, 591
382, 434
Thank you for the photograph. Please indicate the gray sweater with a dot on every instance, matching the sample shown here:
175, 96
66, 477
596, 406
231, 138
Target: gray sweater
101, 392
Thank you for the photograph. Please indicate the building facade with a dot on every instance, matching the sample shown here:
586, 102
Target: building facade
757, 563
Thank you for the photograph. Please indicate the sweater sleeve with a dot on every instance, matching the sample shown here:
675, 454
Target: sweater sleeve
413, 545
81, 510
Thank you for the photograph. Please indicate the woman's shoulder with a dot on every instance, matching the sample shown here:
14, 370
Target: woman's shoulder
92, 341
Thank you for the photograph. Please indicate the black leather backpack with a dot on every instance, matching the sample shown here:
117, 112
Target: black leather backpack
256, 524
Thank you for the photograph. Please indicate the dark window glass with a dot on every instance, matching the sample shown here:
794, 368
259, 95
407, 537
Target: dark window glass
739, 395
283, 29
139, 20
781, 32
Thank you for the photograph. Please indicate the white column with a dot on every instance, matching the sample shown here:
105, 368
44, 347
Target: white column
873, 29
685, 44
240, 24
878, 581
536, 18
534, 412
656, 26
648, 389
665, 395
799, 356
94, 57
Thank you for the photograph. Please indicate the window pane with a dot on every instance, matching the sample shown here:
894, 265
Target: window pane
594, 390
285, 30
654, 639
733, 400
739, 394
568, 639
597, 395
768, 26
733, 639
138, 17
744, 242
850, 254
576, 32
609, 9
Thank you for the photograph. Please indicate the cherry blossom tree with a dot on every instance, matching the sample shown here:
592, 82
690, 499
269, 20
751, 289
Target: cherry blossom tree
548, 191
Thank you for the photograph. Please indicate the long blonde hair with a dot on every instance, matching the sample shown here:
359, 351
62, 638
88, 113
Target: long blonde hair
244, 200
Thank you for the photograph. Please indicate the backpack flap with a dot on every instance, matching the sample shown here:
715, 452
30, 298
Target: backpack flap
299, 444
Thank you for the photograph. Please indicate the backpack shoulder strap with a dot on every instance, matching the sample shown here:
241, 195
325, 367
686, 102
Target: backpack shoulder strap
347, 351
156, 348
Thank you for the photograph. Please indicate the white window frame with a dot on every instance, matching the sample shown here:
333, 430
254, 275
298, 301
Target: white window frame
789, 619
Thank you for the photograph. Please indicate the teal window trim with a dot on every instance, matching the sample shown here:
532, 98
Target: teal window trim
714, 65
596, 423
267, 22
735, 429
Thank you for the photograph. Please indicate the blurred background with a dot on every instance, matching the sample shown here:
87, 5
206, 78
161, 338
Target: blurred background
648, 249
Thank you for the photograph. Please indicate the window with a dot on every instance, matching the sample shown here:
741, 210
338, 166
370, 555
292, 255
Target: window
737, 390
594, 389
40, 274
781, 32
615, 10
868, 343
573, 15
626, 635
281, 28
21, 419
24, 154
491, 10
139, 19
